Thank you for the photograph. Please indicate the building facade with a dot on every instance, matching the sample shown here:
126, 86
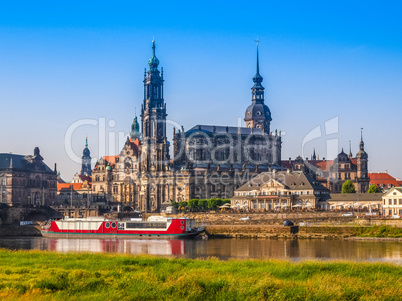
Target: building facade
392, 202
280, 190
208, 160
333, 173
26, 180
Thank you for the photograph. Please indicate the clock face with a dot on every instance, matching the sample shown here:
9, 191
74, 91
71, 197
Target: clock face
258, 113
248, 114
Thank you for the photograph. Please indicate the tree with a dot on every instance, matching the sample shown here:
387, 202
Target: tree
192, 204
202, 204
374, 189
348, 187
183, 205
212, 204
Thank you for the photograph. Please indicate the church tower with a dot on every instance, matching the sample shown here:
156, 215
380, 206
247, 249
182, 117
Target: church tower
86, 160
154, 144
362, 168
258, 114
153, 114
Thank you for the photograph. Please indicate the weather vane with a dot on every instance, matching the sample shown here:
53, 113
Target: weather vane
257, 41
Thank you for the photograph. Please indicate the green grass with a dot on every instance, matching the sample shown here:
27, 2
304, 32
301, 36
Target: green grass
41, 275
379, 231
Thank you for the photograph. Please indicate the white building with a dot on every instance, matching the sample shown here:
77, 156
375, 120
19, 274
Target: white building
392, 202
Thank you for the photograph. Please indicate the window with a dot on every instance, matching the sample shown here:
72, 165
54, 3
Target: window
390, 202
394, 201
400, 201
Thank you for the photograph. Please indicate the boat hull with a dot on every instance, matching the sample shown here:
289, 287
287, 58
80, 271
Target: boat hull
121, 235
155, 229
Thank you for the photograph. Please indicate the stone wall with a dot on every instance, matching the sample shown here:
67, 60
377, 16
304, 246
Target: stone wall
17, 230
265, 218
10, 215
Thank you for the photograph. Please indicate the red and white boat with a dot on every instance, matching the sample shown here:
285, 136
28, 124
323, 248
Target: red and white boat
154, 227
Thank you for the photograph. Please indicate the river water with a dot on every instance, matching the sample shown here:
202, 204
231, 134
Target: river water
388, 251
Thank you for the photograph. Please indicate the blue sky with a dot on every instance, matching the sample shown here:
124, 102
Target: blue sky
64, 62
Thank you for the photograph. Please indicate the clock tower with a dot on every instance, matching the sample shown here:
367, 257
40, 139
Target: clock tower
258, 114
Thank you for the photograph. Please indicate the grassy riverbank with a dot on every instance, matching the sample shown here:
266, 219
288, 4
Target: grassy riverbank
379, 231
35, 275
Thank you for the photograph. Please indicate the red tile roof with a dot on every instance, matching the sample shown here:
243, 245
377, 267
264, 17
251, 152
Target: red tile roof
136, 141
383, 178
67, 186
111, 159
323, 165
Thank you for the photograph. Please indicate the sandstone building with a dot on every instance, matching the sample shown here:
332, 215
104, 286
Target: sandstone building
208, 160
26, 180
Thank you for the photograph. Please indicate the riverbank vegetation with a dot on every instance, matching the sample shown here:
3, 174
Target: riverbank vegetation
379, 231
39, 275
200, 205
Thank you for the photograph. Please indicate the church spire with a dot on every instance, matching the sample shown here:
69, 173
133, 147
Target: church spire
258, 114
361, 140
257, 79
258, 63
350, 150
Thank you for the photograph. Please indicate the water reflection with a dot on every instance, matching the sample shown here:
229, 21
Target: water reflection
221, 248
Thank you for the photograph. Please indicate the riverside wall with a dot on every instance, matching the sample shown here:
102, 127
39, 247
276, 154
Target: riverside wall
324, 225
17, 230
308, 218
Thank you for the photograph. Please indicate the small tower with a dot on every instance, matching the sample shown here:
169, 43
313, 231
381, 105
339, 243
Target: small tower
135, 130
362, 168
258, 114
86, 160
350, 151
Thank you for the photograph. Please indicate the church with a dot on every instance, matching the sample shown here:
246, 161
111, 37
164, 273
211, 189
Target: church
207, 161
